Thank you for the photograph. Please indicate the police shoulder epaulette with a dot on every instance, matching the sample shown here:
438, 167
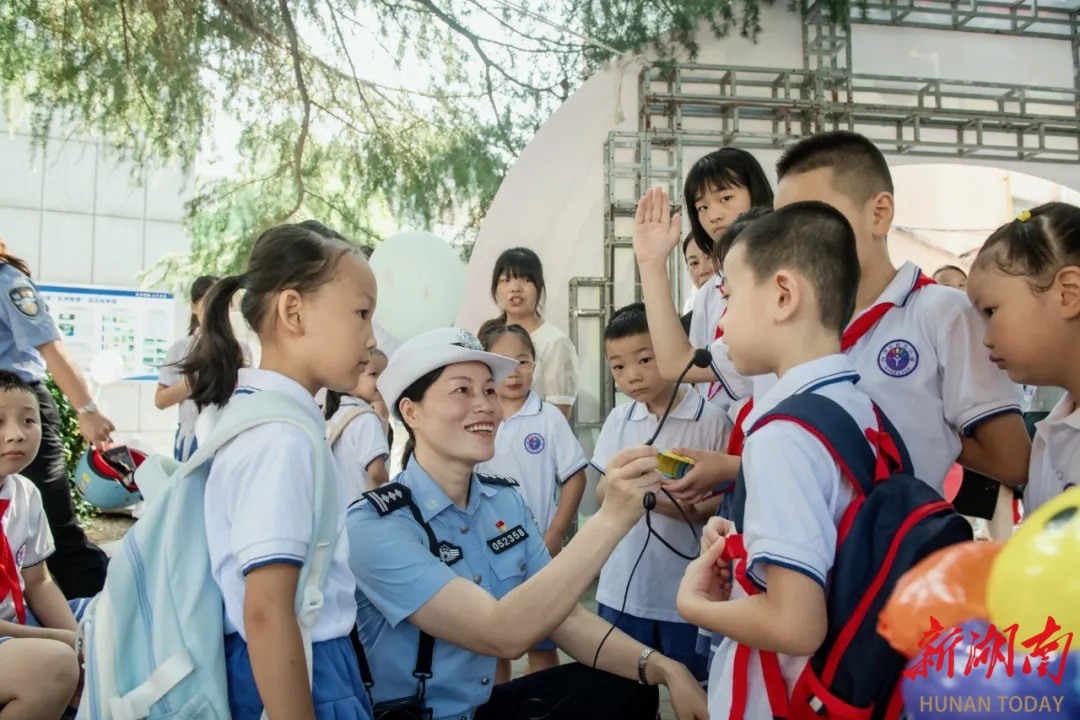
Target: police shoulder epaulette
497, 480
388, 498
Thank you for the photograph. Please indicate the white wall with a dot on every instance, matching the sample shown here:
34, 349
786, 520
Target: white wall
77, 215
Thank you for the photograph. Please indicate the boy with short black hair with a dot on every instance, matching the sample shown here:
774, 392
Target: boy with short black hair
39, 668
791, 279
917, 345
650, 615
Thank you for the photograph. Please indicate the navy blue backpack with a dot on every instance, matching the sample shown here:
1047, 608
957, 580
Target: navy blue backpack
894, 522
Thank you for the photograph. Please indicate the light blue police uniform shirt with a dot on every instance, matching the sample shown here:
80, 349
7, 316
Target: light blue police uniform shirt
25, 324
494, 542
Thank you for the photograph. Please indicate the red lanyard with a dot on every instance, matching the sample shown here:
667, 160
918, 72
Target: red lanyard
10, 580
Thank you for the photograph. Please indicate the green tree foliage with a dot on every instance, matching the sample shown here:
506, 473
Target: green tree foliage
74, 445
321, 132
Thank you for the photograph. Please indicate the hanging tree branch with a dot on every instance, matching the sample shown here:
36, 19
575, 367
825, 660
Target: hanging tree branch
301, 86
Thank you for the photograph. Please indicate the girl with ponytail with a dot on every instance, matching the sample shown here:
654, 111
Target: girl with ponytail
172, 388
310, 300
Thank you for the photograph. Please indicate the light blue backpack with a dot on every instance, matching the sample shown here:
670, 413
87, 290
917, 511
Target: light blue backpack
154, 638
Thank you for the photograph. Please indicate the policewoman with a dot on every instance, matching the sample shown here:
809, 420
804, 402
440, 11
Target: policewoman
30, 346
452, 572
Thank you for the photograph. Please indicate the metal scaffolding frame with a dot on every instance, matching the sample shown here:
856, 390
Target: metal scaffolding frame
685, 105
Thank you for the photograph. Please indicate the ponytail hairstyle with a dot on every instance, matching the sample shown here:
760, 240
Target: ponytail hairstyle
725, 168
285, 257
199, 288
416, 392
1036, 245
489, 338
520, 263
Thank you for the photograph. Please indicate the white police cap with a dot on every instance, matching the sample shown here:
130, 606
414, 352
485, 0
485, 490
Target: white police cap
432, 350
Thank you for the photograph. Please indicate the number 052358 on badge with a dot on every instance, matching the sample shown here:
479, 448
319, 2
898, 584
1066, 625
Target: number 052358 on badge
673, 466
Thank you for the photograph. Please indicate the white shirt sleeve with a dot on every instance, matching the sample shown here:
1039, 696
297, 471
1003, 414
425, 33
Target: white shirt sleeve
605, 443
169, 373
560, 367
569, 457
39, 545
792, 488
972, 388
270, 502
700, 333
734, 385
364, 441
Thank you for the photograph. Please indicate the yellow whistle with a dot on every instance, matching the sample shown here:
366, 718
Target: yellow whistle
673, 466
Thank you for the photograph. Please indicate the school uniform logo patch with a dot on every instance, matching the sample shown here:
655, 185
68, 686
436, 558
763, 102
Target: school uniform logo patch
534, 443
507, 540
448, 553
25, 300
898, 358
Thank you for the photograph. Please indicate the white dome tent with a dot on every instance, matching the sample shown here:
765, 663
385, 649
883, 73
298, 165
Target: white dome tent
927, 93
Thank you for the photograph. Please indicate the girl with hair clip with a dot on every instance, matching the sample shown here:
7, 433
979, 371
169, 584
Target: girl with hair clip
172, 388
309, 299
358, 433
517, 286
452, 571
1026, 282
535, 445
30, 347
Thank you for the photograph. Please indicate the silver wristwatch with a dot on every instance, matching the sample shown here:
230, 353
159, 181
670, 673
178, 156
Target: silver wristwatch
642, 661
89, 408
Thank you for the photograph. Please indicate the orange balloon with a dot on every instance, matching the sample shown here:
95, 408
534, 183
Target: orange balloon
948, 586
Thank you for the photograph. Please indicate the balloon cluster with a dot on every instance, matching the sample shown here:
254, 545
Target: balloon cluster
988, 626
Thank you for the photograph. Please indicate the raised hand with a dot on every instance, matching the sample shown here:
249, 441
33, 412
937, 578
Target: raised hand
656, 230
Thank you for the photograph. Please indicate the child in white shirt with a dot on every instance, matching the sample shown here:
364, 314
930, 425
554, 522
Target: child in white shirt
39, 664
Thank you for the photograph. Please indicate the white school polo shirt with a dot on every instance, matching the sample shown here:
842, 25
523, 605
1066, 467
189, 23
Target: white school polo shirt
730, 386
795, 499
693, 423
27, 531
925, 365
536, 447
1055, 455
556, 376
260, 510
362, 442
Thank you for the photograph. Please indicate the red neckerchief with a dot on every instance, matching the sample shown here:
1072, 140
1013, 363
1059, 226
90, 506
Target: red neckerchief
866, 322
10, 580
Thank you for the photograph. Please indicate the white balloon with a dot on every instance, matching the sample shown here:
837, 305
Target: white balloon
107, 367
421, 284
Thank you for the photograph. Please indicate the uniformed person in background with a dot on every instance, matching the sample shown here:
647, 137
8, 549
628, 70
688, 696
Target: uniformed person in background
458, 557
30, 346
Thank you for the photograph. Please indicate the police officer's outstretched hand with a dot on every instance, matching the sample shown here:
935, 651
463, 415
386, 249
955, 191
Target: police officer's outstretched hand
96, 428
628, 476
688, 699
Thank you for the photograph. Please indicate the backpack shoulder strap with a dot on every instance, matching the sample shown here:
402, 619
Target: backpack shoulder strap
337, 429
831, 424
250, 410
